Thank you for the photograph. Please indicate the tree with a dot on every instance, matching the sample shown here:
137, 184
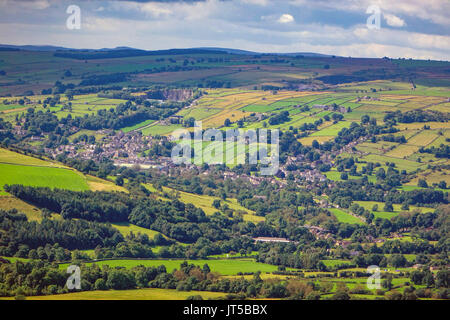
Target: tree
417, 277
405, 206
429, 280
397, 260
388, 207
443, 279
100, 284
227, 122
381, 174
315, 144
341, 295
119, 181
387, 283
216, 204
120, 280
422, 183
344, 176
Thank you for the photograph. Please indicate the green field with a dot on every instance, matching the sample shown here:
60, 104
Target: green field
16, 168
335, 262
336, 176
137, 126
223, 266
387, 215
345, 217
41, 177
10, 157
333, 129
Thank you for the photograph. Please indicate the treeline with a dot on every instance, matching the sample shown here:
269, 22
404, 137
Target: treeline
362, 190
182, 222
279, 118
6, 135
123, 53
94, 206
37, 278
126, 114
443, 151
69, 234
417, 116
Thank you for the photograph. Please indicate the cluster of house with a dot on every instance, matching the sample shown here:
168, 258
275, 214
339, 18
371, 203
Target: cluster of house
313, 175
367, 98
175, 119
333, 107
254, 180
121, 147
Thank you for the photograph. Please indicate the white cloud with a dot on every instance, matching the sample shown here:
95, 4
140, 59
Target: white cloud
28, 4
242, 24
432, 10
286, 18
256, 2
393, 20
155, 9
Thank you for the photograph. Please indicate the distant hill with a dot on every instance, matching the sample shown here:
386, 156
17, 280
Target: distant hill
245, 52
128, 51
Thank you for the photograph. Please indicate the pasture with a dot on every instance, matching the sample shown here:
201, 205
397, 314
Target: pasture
380, 213
345, 217
16, 168
125, 228
222, 266
42, 177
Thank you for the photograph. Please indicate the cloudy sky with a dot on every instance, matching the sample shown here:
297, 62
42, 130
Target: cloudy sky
408, 28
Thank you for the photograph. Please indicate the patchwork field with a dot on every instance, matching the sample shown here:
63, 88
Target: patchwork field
80, 105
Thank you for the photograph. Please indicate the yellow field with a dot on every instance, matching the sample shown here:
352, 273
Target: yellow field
442, 107
125, 228
97, 184
229, 104
7, 156
402, 151
417, 125
205, 202
420, 102
307, 141
10, 202
423, 138
137, 294
432, 177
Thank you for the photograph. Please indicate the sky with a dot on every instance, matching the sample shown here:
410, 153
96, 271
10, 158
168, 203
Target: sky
408, 28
